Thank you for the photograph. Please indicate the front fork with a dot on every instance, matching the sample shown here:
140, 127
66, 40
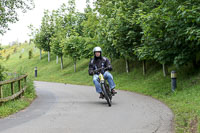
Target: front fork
101, 79
103, 83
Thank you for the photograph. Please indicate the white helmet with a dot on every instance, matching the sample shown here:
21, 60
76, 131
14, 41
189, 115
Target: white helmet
97, 49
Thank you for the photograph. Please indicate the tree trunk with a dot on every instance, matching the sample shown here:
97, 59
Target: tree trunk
75, 66
48, 56
144, 67
61, 58
165, 70
57, 59
127, 66
40, 54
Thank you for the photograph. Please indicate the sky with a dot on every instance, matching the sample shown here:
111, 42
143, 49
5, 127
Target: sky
19, 30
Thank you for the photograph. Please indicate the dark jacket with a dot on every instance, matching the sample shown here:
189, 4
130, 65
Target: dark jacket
99, 62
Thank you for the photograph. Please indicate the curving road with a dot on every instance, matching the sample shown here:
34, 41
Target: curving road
64, 108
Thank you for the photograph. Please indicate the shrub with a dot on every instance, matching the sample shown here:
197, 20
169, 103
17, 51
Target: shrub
30, 54
7, 57
15, 50
2, 76
20, 56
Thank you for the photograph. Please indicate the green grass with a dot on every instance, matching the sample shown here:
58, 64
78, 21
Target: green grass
16, 105
184, 102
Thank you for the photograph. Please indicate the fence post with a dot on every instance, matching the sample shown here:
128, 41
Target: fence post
12, 88
1, 92
25, 80
19, 85
24, 84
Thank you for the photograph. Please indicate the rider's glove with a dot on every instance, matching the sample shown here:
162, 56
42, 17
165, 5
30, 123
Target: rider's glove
91, 72
95, 72
109, 68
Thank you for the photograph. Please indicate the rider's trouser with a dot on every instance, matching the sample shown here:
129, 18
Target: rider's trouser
108, 76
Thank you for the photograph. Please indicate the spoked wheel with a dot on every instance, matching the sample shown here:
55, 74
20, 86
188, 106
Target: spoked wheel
106, 95
108, 91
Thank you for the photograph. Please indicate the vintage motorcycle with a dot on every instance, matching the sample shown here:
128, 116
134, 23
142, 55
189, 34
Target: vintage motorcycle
104, 86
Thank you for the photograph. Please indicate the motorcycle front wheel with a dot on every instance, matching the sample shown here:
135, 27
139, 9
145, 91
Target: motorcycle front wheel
106, 95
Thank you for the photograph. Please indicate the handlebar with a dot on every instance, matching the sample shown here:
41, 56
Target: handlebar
99, 70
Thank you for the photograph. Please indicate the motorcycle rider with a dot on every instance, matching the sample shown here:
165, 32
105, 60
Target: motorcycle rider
101, 62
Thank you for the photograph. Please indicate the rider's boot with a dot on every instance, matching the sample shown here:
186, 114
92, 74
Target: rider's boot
113, 92
101, 95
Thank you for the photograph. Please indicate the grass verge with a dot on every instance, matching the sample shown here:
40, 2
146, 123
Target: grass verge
16, 105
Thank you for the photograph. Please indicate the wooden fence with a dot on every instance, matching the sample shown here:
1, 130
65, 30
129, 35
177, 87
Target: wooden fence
20, 91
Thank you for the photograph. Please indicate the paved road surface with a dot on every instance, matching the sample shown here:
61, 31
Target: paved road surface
64, 108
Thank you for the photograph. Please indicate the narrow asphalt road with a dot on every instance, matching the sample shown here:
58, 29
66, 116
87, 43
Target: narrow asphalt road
64, 108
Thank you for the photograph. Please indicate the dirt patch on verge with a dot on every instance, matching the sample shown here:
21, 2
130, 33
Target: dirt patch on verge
194, 125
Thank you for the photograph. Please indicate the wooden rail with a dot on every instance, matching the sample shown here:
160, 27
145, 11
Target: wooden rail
13, 95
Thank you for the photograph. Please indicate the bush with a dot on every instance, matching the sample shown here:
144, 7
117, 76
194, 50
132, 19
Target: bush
7, 57
20, 56
15, 50
2, 76
30, 91
30, 54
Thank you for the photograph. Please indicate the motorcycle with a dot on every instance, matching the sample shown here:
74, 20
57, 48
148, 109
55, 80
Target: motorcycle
104, 86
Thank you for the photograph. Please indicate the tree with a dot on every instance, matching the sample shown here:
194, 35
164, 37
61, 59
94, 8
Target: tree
70, 19
186, 25
32, 33
56, 46
74, 46
38, 41
80, 17
45, 33
67, 23
57, 38
170, 31
123, 35
59, 34
154, 44
8, 11
104, 37
90, 28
